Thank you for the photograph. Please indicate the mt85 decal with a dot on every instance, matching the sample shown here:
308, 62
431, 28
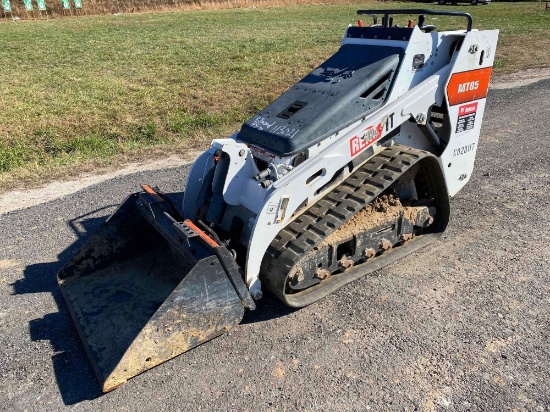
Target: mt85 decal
467, 86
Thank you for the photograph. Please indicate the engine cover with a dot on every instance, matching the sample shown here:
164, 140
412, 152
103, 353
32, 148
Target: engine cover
352, 83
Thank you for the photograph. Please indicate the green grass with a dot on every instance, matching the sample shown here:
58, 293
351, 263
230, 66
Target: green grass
77, 90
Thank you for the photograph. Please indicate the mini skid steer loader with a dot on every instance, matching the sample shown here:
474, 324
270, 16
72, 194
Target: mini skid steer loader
346, 172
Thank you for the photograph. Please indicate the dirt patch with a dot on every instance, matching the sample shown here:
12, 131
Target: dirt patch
411, 213
9, 263
279, 371
521, 78
385, 208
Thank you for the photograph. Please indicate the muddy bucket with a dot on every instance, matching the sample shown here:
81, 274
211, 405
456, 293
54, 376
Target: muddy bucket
147, 287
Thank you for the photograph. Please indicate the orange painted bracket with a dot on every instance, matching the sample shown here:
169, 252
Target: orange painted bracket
202, 235
151, 191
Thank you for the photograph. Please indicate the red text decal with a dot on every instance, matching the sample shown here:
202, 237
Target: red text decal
371, 134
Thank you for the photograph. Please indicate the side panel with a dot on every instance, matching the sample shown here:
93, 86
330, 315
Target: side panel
465, 94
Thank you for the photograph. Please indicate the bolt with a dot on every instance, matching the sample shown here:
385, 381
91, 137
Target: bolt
257, 295
421, 118
242, 152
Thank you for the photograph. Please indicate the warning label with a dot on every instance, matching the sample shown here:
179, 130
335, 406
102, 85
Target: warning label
466, 117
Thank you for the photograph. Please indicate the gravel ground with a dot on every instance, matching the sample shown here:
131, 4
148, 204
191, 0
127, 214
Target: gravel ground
462, 325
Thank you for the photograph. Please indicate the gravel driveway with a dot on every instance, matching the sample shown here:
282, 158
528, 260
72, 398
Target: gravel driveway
462, 325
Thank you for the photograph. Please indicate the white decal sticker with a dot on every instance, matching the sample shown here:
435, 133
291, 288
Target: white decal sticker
260, 123
271, 208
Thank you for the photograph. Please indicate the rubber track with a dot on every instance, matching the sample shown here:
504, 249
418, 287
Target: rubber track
332, 211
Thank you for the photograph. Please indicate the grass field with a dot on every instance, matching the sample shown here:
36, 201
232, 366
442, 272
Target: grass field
78, 92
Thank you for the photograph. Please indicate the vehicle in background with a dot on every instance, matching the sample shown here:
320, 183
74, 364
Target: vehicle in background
472, 2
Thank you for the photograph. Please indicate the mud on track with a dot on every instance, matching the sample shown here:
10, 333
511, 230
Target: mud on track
462, 325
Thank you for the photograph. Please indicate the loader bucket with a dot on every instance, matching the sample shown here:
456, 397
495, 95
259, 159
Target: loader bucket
142, 290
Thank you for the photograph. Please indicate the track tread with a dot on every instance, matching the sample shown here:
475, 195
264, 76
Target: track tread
334, 209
